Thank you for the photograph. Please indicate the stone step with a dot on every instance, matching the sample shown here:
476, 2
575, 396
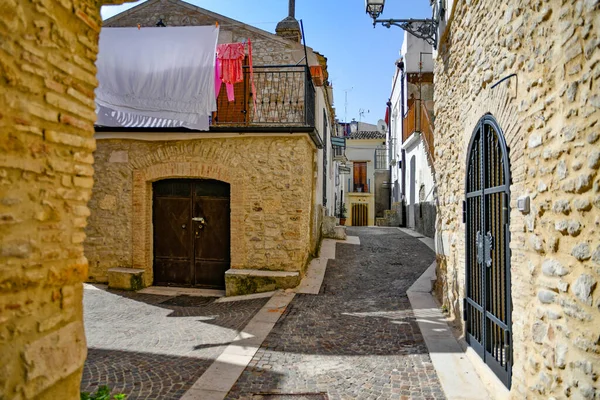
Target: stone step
247, 281
125, 278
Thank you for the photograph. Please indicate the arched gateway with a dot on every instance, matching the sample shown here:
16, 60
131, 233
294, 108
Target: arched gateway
487, 305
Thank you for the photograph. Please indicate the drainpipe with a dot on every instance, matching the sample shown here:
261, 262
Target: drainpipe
389, 113
402, 85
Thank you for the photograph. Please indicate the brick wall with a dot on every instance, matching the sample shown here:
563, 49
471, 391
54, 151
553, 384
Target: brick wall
272, 185
549, 115
47, 79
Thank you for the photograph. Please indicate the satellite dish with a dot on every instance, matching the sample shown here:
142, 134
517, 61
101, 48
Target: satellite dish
381, 126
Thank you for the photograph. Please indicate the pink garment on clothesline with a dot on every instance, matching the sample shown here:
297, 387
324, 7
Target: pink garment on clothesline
251, 72
218, 83
231, 56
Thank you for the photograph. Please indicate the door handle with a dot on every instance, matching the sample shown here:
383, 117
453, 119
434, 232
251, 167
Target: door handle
199, 219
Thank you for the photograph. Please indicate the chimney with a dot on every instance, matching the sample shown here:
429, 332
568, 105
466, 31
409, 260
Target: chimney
289, 28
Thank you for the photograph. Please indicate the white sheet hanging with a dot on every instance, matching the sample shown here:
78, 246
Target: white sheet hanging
159, 73
110, 117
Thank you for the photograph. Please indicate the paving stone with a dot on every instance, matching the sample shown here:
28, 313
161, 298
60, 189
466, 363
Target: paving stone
357, 339
156, 347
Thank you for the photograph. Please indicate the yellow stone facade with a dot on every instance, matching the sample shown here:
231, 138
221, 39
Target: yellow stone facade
549, 114
47, 81
272, 182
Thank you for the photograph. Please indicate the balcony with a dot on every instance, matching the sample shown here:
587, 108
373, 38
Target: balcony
285, 98
418, 119
358, 186
339, 154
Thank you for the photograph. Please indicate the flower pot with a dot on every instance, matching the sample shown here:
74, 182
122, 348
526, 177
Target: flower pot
342, 221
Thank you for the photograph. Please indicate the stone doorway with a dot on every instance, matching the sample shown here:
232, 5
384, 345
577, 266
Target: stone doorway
191, 232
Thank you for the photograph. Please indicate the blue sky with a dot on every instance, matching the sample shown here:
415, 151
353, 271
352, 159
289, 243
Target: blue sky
360, 59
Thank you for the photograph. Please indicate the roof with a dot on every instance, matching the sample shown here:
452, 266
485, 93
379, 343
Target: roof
225, 22
366, 135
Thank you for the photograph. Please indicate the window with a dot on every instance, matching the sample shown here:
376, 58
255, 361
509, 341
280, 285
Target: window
360, 177
381, 158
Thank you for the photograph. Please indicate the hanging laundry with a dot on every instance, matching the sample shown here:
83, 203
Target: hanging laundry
251, 72
156, 77
218, 83
231, 56
230, 59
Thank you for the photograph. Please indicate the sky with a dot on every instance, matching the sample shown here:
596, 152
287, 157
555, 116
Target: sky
360, 59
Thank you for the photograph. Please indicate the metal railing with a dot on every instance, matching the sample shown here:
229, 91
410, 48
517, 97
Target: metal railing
339, 153
357, 187
285, 96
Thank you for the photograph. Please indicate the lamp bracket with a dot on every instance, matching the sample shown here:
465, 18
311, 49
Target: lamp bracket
425, 29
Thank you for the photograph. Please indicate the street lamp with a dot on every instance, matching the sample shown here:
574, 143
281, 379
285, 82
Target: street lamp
421, 28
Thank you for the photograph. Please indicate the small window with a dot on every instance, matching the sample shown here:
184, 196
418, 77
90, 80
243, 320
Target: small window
360, 177
381, 158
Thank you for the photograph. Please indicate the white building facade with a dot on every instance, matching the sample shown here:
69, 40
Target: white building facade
411, 136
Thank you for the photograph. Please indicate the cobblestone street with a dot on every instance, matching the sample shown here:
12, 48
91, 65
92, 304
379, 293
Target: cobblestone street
358, 338
155, 347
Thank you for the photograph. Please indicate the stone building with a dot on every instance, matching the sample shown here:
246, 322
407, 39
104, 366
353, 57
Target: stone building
517, 99
412, 138
46, 141
255, 184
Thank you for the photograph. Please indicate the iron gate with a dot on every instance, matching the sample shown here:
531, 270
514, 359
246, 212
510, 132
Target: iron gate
487, 307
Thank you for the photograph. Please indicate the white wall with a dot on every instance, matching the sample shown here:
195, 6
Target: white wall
320, 105
396, 134
422, 173
412, 49
414, 52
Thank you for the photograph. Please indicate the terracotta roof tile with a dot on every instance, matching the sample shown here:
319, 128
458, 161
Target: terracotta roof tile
367, 135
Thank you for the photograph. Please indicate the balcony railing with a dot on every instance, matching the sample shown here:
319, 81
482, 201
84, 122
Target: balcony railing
417, 119
339, 153
357, 187
285, 97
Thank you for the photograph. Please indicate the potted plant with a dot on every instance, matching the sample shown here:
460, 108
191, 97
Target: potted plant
342, 214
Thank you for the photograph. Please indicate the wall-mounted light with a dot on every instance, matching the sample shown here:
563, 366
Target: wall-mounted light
421, 28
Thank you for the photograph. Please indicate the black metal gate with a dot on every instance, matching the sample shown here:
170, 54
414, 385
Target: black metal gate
487, 307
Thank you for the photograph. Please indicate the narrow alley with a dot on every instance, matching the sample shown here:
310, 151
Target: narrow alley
357, 338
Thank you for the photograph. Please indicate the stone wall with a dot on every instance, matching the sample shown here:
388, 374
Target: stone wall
382, 192
47, 81
425, 218
549, 115
272, 184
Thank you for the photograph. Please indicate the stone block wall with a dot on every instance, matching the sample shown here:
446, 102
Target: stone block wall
272, 184
549, 113
47, 81
425, 218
